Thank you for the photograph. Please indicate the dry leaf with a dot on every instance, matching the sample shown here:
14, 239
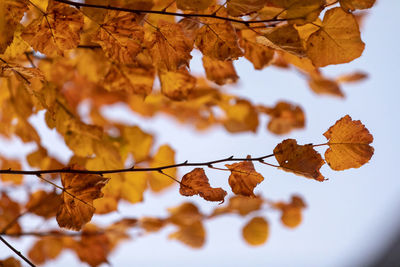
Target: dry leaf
243, 178
256, 231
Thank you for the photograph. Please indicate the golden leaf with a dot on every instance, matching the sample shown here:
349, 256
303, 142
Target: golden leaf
11, 12
193, 4
56, 30
164, 156
185, 214
337, 41
240, 204
44, 203
243, 178
150, 224
136, 142
120, 36
351, 5
15, 179
77, 199
303, 10
220, 72
192, 235
170, 48
348, 142
352, 77
46, 248
10, 262
256, 231
177, 85
240, 116
218, 41
258, 54
321, 85
244, 7
299, 159
196, 183
9, 210
291, 212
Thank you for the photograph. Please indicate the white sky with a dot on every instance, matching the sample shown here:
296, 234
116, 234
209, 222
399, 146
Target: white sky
349, 218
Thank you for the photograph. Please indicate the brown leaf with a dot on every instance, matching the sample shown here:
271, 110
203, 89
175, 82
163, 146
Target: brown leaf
120, 36
177, 85
243, 178
192, 235
10, 262
9, 210
44, 203
321, 85
351, 5
220, 72
46, 248
256, 231
352, 77
193, 4
240, 204
299, 159
291, 212
196, 183
52, 33
77, 199
259, 55
238, 8
185, 214
348, 142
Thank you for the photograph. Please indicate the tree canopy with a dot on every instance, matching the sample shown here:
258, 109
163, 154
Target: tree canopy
57, 55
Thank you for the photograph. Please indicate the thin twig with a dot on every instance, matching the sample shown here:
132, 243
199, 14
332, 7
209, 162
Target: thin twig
16, 252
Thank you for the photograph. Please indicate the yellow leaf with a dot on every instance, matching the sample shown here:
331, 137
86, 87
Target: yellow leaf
256, 231
243, 178
136, 142
15, 165
133, 186
164, 156
299, 159
348, 142
11, 12
351, 5
193, 4
220, 72
196, 183
120, 36
240, 116
177, 85
53, 33
337, 41
77, 199
18, 46
243, 7
170, 48
303, 10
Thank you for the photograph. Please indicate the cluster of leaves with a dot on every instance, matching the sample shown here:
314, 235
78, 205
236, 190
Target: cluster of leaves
57, 54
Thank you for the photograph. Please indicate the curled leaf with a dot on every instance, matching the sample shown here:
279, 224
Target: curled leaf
299, 159
79, 191
243, 178
196, 183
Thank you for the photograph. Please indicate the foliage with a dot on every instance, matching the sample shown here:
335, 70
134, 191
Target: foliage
58, 54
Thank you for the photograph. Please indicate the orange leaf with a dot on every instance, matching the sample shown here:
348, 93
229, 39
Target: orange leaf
192, 235
177, 85
196, 183
241, 116
9, 210
243, 7
120, 36
291, 212
46, 248
258, 54
352, 77
351, 5
170, 48
299, 159
53, 33
10, 262
77, 199
337, 41
243, 178
256, 231
193, 4
321, 85
220, 72
240, 204
44, 203
348, 144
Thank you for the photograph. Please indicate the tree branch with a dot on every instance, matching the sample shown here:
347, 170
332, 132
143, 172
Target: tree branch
166, 13
16, 252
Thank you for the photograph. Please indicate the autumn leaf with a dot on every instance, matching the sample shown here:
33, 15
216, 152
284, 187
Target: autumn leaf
307, 10
243, 178
348, 142
185, 214
79, 191
241, 116
46, 248
120, 36
352, 77
299, 159
256, 231
196, 183
44, 203
11, 12
220, 72
218, 40
150, 224
351, 5
192, 235
244, 7
169, 46
10, 262
240, 204
52, 33
335, 43
164, 156
284, 117
177, 85
321, 85
9, 210
291, 212
13, 165
193, 4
